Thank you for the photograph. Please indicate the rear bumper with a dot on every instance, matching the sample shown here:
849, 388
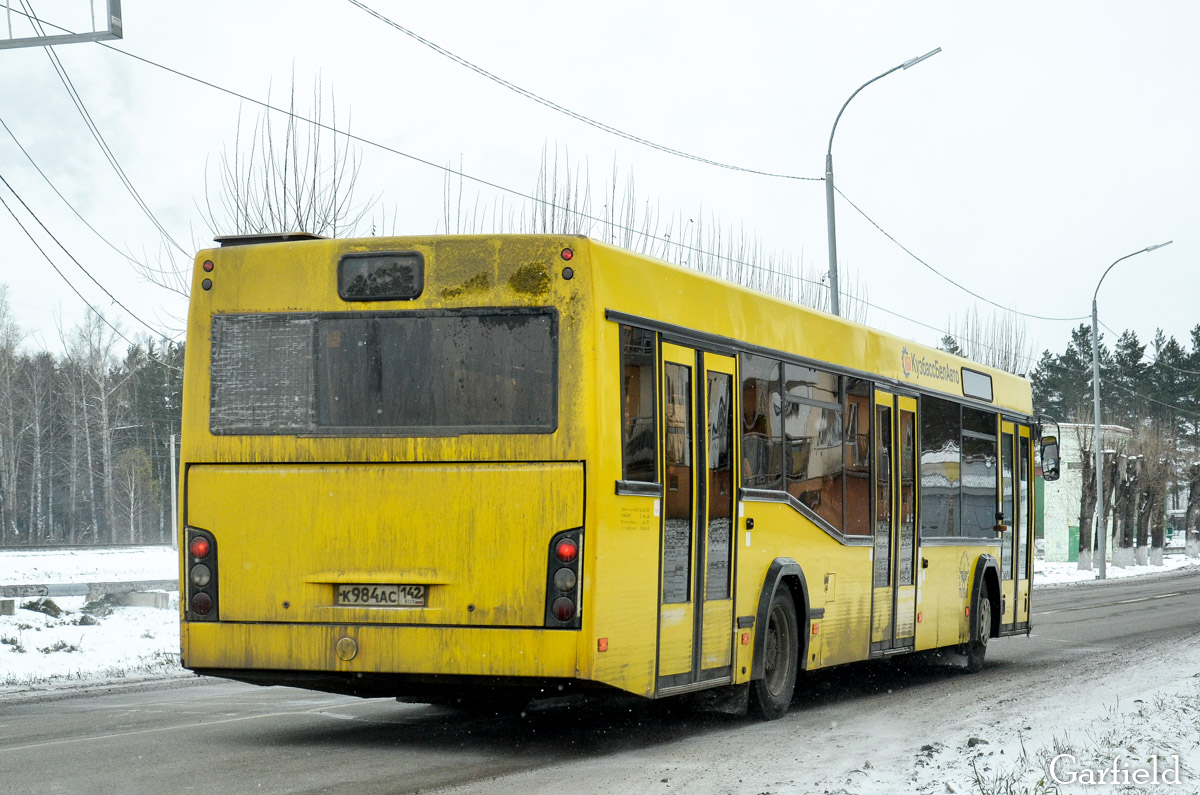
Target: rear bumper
378, 649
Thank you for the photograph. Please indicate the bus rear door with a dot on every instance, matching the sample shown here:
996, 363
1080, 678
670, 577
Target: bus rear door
894, 595
695, 636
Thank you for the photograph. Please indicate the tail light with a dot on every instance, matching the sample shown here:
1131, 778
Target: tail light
562, 580
200, 575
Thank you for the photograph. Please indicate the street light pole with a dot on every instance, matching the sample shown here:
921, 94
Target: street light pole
833, 269
1101, 527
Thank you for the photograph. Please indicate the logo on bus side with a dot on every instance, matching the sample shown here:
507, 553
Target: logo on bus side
919, 367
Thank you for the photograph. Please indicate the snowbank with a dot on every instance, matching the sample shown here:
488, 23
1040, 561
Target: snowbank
21, 566
1045, 573
104, 643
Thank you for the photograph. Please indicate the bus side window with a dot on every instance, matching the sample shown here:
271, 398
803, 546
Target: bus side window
858, 457
941, 439
639, 439
762, 423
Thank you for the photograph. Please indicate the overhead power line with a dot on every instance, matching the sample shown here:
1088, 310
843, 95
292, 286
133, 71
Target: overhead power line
86, 272
519, 194
528, 197
1150, 399
599, 125
62, 275
1147, 361
941, 275
637, 139
587, 120
70, 207
75, 290
61, 71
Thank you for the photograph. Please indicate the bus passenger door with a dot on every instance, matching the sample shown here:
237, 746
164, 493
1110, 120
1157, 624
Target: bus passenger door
695, 634
1023, 537
894, 592
906, 523
1009, 541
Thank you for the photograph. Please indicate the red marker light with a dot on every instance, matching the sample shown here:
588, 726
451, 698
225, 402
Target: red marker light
563, 609
567, 254
208, 266
202, 604
566, 550
199, 547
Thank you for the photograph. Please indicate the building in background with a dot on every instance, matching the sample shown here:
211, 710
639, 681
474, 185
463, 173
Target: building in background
1062, 497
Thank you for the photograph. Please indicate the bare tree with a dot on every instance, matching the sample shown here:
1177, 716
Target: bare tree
999, 340
563, 203
36, 383
10, 341
136, 493
291, 175
1128, 502
91, 351
1145, 507
1087, 499
1110, 481
1192, 522
296, 179
1154, 474
1160, 480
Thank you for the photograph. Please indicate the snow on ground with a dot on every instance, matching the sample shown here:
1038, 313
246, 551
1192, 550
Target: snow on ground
105, 564
39, 651
1045, 573
1047, 739
1156, 712
969, 740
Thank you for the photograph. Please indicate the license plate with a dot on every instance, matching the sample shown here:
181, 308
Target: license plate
380, 595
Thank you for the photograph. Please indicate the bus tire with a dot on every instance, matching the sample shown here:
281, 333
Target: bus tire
771, 694
977, 647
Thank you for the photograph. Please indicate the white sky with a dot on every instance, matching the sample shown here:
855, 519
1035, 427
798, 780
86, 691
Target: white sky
1044, 142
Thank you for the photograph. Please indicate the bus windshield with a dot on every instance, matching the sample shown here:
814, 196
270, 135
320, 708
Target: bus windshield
424, 373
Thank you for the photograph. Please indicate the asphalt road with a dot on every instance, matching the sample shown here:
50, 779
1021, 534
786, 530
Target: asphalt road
217, 737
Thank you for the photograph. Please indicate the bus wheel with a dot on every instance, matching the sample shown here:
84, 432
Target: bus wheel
977, 647
772, 694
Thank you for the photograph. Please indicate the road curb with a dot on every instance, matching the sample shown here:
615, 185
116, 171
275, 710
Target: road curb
57, 691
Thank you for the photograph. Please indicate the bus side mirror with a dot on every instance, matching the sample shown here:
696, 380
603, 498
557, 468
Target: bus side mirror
1049, 458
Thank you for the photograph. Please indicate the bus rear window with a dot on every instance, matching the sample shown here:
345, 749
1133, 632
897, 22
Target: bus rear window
434, 373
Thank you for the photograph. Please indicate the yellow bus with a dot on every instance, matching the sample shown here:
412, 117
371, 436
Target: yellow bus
446, 468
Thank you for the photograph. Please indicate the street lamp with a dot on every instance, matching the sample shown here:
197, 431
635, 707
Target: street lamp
1101, 528
833, 271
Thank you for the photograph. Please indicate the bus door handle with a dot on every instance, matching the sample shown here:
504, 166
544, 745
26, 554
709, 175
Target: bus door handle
924, 563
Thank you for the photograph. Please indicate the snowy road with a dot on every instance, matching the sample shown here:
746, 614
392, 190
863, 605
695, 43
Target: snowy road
1097, 652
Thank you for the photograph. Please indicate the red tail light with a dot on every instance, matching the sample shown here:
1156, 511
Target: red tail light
563, 609
199, 548
200, 574
202, 604
566, 550
564, 590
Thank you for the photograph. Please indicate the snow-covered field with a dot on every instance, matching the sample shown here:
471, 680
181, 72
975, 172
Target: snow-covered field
39, 651
1059, 573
